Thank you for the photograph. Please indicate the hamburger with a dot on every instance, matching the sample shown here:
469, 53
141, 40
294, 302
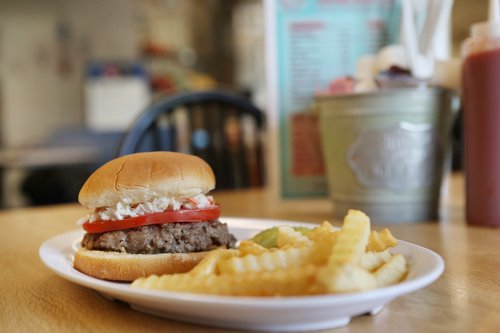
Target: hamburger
149, 213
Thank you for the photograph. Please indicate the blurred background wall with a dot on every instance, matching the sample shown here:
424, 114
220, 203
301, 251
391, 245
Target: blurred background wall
46, 48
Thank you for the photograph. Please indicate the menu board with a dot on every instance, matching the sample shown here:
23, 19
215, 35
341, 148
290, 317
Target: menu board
309, 44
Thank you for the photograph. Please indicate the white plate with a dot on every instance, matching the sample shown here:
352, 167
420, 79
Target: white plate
283, 314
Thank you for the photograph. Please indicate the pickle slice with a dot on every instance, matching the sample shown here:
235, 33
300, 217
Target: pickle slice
268, 238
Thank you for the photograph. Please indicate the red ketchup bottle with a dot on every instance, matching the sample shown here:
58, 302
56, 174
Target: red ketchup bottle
481, 104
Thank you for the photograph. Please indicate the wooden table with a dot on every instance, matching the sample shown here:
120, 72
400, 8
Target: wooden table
465, 299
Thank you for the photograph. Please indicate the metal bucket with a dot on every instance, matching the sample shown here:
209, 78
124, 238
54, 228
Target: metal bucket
386, 152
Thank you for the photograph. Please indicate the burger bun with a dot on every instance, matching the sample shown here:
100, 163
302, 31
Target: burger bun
142, 177
118, 266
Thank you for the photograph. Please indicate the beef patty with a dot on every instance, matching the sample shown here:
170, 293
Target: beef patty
163, 238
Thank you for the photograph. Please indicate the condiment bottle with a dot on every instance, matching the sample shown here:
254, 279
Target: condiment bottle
481, 103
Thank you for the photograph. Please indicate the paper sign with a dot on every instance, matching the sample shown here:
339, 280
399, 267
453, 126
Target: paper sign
309, 44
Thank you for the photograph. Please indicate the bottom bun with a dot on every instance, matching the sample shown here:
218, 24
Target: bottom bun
117, 266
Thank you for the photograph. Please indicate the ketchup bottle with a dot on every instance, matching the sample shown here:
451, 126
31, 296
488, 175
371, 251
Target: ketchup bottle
481, 104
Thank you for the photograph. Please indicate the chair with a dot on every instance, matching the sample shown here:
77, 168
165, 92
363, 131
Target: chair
220, 126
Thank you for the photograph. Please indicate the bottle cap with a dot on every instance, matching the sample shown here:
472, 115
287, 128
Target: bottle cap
491, 28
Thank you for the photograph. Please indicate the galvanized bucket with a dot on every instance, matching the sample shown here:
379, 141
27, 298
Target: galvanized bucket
386, 152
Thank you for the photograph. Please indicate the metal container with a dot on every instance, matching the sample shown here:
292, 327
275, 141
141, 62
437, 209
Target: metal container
386, 152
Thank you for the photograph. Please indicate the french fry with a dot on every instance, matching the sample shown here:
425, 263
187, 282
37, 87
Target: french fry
295, 281
208, 265
391, 272
250, 247
324, 230
346, 278
381, 240
325, 226
352, 239
268, 261
288, 236
285, 261
323, 238
373, 260
342, 273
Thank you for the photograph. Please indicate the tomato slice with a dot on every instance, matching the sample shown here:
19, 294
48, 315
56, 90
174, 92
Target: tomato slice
168, 216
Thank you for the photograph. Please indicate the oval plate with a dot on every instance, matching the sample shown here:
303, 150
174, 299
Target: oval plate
270, 314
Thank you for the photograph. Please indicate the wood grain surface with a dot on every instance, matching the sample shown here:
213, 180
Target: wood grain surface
465, 299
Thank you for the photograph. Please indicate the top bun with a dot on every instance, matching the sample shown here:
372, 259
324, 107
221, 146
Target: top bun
143, 177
